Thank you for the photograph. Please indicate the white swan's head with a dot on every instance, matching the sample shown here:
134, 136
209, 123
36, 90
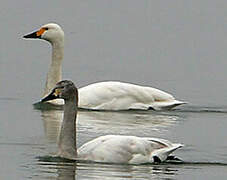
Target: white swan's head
51, 32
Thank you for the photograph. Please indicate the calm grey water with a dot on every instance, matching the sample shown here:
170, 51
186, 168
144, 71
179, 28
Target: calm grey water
177, 46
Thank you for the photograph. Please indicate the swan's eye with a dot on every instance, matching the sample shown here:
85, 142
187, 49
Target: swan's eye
46, 28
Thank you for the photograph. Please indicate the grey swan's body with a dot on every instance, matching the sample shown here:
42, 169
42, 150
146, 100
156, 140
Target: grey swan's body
109, 95
109, 148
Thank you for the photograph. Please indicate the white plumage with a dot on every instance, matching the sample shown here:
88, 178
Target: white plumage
113, 95
126, 149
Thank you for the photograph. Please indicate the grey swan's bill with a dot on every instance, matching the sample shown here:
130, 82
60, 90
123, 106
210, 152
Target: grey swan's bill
108, 95
109, 148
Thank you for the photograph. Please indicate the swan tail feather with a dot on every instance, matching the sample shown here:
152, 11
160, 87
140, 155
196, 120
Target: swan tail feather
167, 105
163, 153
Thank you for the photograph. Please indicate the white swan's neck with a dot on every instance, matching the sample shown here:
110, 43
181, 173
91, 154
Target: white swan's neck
55, 70
67, 137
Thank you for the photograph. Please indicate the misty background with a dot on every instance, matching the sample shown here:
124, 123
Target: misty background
177, 46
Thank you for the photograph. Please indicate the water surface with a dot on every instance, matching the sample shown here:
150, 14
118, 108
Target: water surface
176, 46
27, 150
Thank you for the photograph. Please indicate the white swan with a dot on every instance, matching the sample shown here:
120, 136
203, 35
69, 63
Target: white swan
108, 95
109, 148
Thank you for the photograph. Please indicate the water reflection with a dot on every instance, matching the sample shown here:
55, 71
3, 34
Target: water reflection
66, 172
55, 170
77, 170
91, 124
111, 171
134, 123
52, 123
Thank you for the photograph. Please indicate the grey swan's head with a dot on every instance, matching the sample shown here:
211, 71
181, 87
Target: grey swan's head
64, 89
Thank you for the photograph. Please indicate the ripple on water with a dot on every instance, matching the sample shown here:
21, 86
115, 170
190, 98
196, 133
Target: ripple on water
48, 167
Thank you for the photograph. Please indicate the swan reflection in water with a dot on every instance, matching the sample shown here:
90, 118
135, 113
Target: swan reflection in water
77, 170
95, 123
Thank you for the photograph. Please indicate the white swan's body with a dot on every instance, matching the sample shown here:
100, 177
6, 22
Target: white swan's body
107, 95
109, 148
115, 95
126, 149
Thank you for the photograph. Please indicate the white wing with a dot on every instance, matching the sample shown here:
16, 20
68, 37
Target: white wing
112, 95
126, 149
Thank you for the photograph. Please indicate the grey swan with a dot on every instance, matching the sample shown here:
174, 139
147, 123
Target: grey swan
108, 148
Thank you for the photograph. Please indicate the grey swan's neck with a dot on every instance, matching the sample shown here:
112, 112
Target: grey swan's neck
55, 70
67, 137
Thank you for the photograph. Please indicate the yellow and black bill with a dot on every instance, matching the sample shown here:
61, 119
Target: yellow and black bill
55, 94
36, 34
